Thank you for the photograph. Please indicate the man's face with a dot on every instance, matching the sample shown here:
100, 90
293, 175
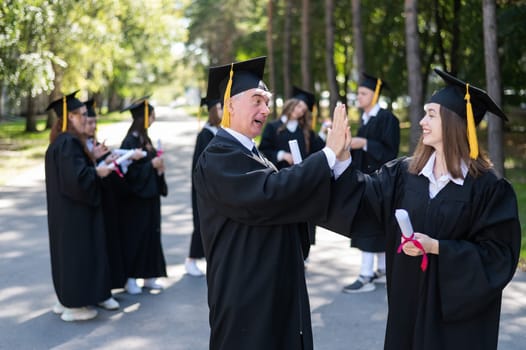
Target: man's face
249, 111
90, 127
365, 97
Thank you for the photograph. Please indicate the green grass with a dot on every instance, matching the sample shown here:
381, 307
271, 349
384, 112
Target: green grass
20, 151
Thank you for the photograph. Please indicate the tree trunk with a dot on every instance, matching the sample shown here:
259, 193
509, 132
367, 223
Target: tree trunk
329, 55
2, 100
359, 55
31, 123
306, 79
413, 70
491, 58
270, 52
55, 94
286, 50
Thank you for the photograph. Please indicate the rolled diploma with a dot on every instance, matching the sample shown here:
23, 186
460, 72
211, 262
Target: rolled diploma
124, 157
295, 151
404, 222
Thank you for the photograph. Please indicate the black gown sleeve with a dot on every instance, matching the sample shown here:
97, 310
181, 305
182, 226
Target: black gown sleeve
268, 142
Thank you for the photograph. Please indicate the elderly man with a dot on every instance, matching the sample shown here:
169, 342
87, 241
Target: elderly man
252, 216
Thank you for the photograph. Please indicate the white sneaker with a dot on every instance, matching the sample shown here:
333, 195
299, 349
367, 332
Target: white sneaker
110, 304
78, 314
58, 308
192, 269
152, 283
132, 287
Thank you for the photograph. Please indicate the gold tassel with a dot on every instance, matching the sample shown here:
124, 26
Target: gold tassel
472, 132
314, 117
376, 92
225, 122
146, 114
64, 114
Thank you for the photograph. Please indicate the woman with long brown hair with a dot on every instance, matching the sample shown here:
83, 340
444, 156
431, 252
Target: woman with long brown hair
445, 277
79, 262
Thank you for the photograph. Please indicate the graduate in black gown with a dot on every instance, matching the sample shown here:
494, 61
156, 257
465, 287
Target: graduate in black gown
207, 133
254, 216
112, 185
376, 142
140, 208
464, 218
79, 263
294, 124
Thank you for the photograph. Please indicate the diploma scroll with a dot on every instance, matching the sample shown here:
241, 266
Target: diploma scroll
404, 222
408, 235
295, 151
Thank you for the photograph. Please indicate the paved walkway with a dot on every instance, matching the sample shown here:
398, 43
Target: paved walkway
177, 318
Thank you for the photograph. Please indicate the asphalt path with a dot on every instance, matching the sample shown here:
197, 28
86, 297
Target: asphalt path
177, 318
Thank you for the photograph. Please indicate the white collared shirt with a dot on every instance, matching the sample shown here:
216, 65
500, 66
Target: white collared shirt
213, 129
372, 113
291, 124
436, 185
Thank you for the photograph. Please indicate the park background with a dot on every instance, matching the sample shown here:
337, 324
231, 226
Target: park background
117, 50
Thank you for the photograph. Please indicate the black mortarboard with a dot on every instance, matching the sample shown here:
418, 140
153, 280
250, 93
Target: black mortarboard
303, 95
231, 79
469, 102
209, 103
71, 103
90, 105
138, 109
453, 97
64, 104
373, 83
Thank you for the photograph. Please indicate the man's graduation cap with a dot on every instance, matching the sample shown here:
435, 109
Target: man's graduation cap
303, 95
140, 109
232, 79
373, 83
90, 105
63, 105
468, 102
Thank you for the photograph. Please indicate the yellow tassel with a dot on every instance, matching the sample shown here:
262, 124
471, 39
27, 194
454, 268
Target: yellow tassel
146, 114
314, 117
225, 122
64, 114
376, 92
472, 132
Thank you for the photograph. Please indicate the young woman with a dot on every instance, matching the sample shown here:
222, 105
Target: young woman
79, 263
444, 285
140, 209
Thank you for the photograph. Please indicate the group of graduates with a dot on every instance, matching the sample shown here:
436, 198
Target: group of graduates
444, 279
104, 210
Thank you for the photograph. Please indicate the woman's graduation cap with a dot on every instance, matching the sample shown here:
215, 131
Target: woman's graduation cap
373, 83
63, 105
140, 109
468, 102
90, 105
232, 79
303, 95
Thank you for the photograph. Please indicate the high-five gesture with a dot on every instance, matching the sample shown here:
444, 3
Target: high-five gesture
338, 134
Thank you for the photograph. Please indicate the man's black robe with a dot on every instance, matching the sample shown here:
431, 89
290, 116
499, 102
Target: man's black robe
456, 302
140, 216
77, 239
251, 219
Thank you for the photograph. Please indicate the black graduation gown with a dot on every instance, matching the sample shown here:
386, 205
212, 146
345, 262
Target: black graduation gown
456, 302
77, 240
255, 272
383, 141
273, 141
140, 219
196, 245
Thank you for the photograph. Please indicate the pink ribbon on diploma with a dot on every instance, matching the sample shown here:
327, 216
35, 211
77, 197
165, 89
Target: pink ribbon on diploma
417, 244
117, 170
